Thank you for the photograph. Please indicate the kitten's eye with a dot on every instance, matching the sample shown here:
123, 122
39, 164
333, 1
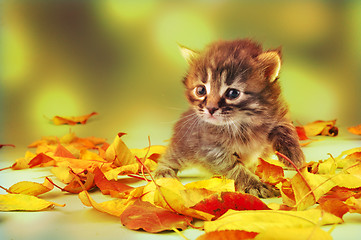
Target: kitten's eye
232, 94
201, 91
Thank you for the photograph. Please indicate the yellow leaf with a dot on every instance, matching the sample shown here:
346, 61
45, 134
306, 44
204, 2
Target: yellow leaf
354, 205
63, 174
214, 184
326, 128
155, 149
119, 153
310, 233
23, 163
112, 174
22, 202
150, 188
88, 155
174, 201
262, 220
320, 184
30, 188
113, 207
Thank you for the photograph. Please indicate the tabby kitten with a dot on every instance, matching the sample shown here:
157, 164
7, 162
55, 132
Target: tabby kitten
236, 115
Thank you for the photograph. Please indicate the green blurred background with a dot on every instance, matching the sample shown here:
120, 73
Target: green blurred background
120, 59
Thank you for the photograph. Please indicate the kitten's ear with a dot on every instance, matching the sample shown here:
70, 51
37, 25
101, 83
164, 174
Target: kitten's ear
188, 53
271, 63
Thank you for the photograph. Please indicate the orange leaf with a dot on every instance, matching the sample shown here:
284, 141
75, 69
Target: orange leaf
335, 206
119, 153
107, 186
41, 160
228, 235
301, 133
269, 173
75, 187
143, 215
355, 129
58, 120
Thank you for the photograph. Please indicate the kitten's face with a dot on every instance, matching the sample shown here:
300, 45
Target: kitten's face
224, 84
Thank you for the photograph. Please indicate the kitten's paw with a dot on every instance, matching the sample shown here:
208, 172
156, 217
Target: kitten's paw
165, 172
262, 190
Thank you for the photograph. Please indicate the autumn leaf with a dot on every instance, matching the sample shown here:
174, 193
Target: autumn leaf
325, 128
113, 207
354, 205
261, 220
22, 202
355, 129
109, 186
294, 233
41, 160
301, 132
334, 206
269, 173
218, 204
119, 153
75, 187
143, 215
228, 235
59, 120
30, 188
216, 184
6, 145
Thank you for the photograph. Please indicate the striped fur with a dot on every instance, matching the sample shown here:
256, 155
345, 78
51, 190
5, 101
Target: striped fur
236, 115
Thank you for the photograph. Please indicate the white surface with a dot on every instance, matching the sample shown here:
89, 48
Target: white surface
76, 221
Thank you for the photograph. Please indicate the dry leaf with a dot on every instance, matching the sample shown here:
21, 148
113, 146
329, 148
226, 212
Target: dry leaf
31, 188
228, 235
309, 233
216, 184
325, 128
301, 133
355, 129
113, 207
22, 202
354, 205
218, 204
108, 186
119, 153
59, 120
143, 215
261, 220
269, 173
6, 145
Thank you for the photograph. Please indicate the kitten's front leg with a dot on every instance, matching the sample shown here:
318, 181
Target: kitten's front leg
168, 165
244, 179
284, 139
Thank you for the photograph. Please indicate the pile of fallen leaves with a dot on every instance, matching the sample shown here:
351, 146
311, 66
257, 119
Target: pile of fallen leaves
318, 194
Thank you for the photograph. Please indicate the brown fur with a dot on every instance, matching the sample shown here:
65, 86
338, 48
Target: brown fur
227, 135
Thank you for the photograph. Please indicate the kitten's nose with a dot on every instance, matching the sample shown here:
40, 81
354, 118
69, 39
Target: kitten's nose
212, 110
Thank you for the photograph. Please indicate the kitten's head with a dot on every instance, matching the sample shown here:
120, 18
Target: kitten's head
232, 81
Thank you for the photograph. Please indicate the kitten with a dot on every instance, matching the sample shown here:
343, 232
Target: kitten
236, 115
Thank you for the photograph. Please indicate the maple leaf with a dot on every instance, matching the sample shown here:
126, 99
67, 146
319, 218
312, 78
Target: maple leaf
218, 204
228, 235
146, 216
59, 120
22, 202
355, 129
260, 220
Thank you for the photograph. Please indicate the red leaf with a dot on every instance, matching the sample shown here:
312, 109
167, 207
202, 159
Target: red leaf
106, 186
40, 159
218, 205
61, 151
7, 145
335, 206
75, 187
301, 133
228, 235
144, 215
